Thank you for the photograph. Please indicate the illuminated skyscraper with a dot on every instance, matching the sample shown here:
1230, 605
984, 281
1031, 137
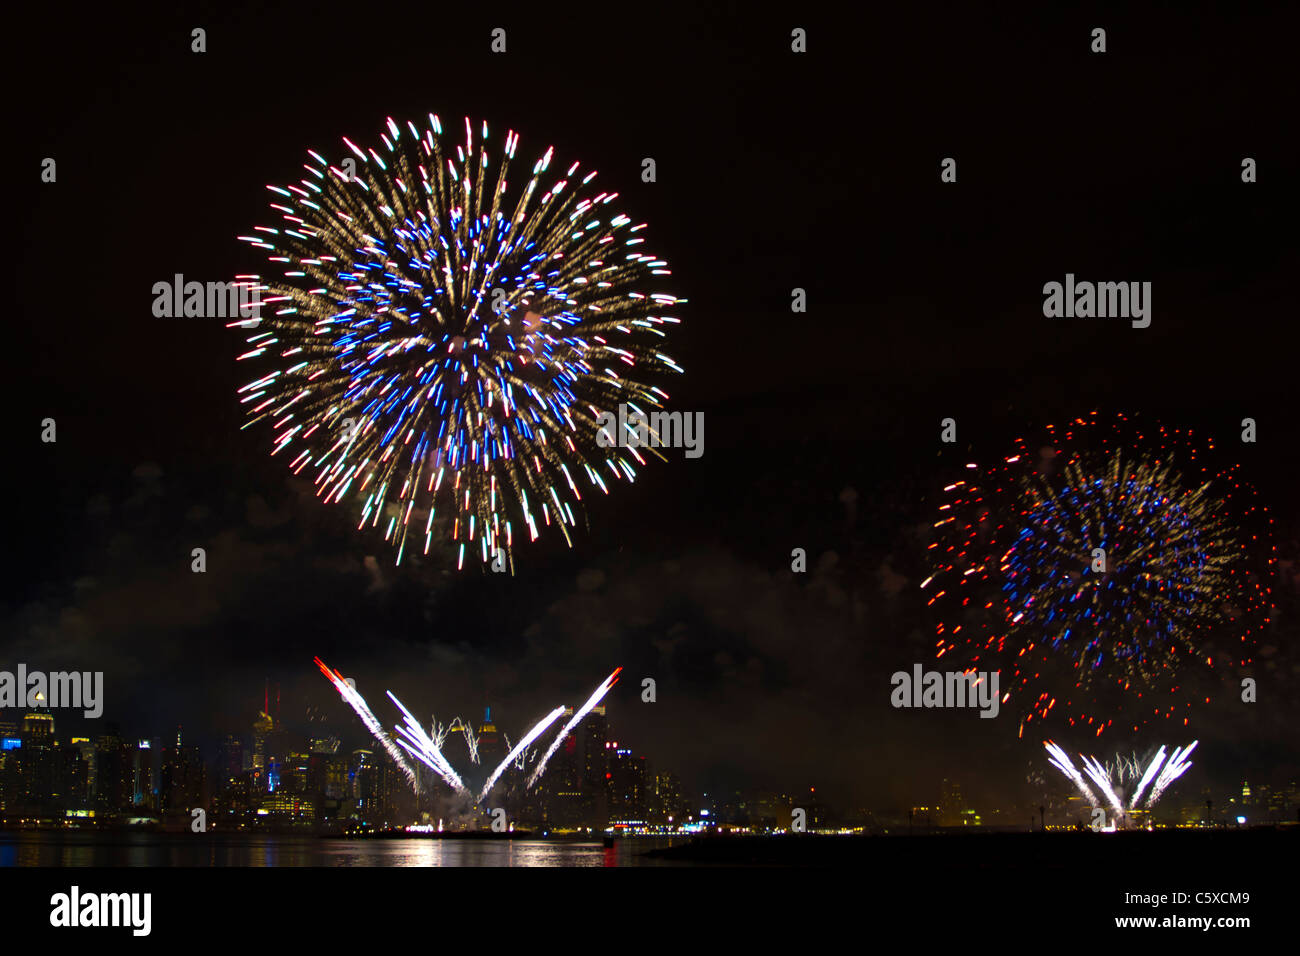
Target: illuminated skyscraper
38, 727
365, 785
144, 775
666, 802
491, 745
35, 767
262, 728
628, 790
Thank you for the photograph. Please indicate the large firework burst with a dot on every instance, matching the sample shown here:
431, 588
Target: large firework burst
1098, 570
442, 344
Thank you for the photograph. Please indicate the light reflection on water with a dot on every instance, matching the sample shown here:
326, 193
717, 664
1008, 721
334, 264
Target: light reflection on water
53, 848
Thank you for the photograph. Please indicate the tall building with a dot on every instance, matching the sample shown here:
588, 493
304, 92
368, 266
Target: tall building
365, 786
233, 804
113, 770
667, 803
627, 786
86, 746
592, 734
296, 773
10, 742
491, 745
183, 778
37, 767
328, 770
144, 776
328, 777
259, 756
562, 785
74, 775
230, 759
575, 789
38, 727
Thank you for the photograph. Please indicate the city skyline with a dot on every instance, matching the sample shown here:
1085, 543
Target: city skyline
262, 766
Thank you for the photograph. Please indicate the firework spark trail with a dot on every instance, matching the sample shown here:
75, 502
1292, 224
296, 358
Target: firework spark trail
358, 704
1061, 760
519, 748
440, 344
592, 701
1174, 769
422, 747
438, 733
1124, 768
471, 738
1152, 769
1093, 768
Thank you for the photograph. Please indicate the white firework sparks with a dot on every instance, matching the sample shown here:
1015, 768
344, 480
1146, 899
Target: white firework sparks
471, 738
421, 746
519, 748
576, 719
358, 704
1061, 760
1175, 768
1111, 778
439, 732
427, 747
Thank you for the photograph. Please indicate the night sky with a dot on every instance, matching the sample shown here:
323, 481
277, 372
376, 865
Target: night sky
775, 170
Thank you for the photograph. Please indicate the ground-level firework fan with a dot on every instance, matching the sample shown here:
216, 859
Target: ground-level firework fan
410, 739
1123, 783
1102, 568
440, 341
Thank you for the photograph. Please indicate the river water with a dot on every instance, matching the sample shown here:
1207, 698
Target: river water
88, 848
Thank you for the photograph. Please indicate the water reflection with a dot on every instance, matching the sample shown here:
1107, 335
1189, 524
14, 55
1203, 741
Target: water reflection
50, 848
